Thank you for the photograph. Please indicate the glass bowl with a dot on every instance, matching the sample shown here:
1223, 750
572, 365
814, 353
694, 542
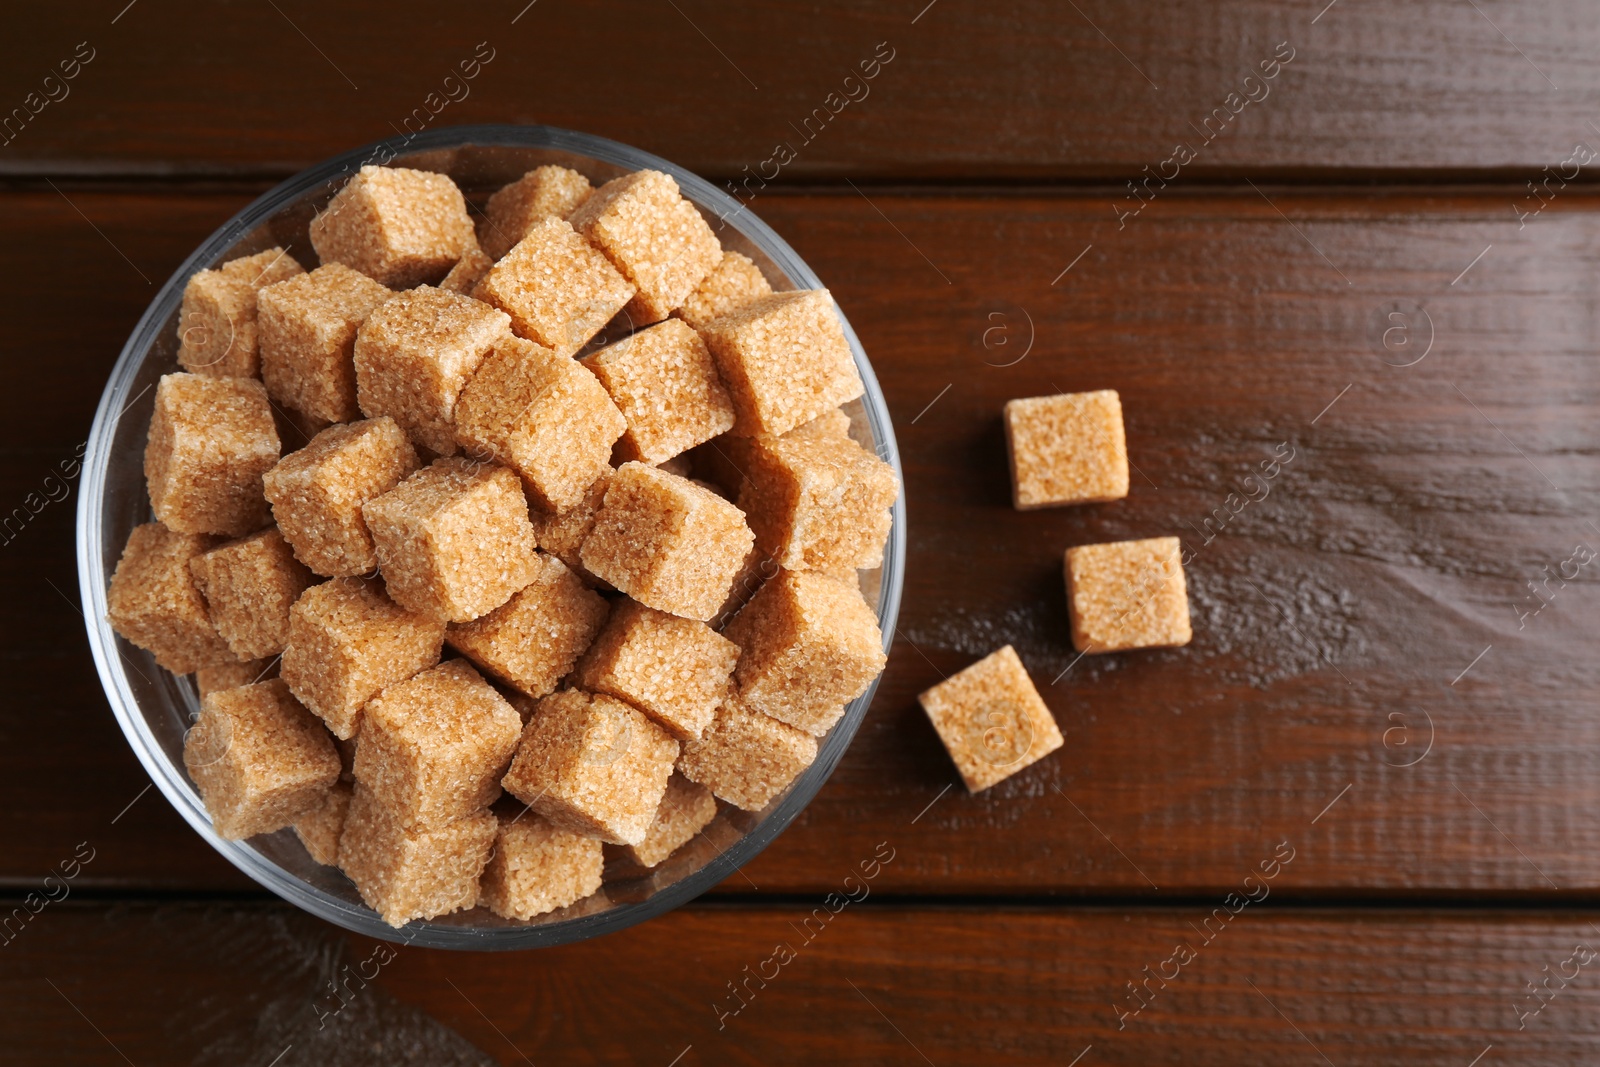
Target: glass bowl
155, 708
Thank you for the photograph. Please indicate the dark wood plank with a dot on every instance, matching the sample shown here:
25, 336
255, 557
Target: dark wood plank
1031, 90
1334, 618
241, 985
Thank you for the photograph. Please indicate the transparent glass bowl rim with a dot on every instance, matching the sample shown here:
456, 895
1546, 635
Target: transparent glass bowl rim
171, 779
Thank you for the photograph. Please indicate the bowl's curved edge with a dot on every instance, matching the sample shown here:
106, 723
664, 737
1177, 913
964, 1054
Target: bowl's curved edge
91, 560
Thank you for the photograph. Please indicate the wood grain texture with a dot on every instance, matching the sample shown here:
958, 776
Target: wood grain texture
1336, 617
239, 985
1032, 90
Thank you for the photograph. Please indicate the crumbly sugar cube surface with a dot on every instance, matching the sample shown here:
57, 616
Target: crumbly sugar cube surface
784, 359
308, 330
347, 640
808, 643
317, 492
558, 291
817, 500
398, 226
538, 867
665, 384
211, 440
453, 539
666, 542
1127, 594
533, 640
413, 874
218, 334
250, 585
745, 757
1067, 449
686, 809
433, 747
544, 192
653, 236
468, 272
562, 533
153, 600
673, 669
734, 283
220, 676
259, 759
991, 719
545, 416
592, 765
319, 829
414, 355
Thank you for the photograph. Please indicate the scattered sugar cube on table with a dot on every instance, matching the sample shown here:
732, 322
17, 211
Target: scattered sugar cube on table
991, 719
1067, 449
1127, 594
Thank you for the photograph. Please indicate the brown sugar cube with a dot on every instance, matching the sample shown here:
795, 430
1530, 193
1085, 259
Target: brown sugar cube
685, 810
722, 460
453, 539
558, 291
211, 440
592, 765
153, 600
433, 747
665, 384
543, 192
991, 719
414, 355
753, 573
653, 236
816, 500
250, 585
808, 644
562, 533
1066, 449
220, 676
308, 335
675, 670
532, 640
545, 416
538, 867
468, 272
217, 326
397, 226
745, 757
347, 640
1127, 594
735, 282
668, 543
413, 874
320, 828
317, 492
259, 759
784, 359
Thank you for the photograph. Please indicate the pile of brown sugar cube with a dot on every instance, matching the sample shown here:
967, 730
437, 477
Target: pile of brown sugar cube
615, 579
1065, 449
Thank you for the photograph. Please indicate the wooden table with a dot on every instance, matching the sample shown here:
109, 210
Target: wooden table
1333, 248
